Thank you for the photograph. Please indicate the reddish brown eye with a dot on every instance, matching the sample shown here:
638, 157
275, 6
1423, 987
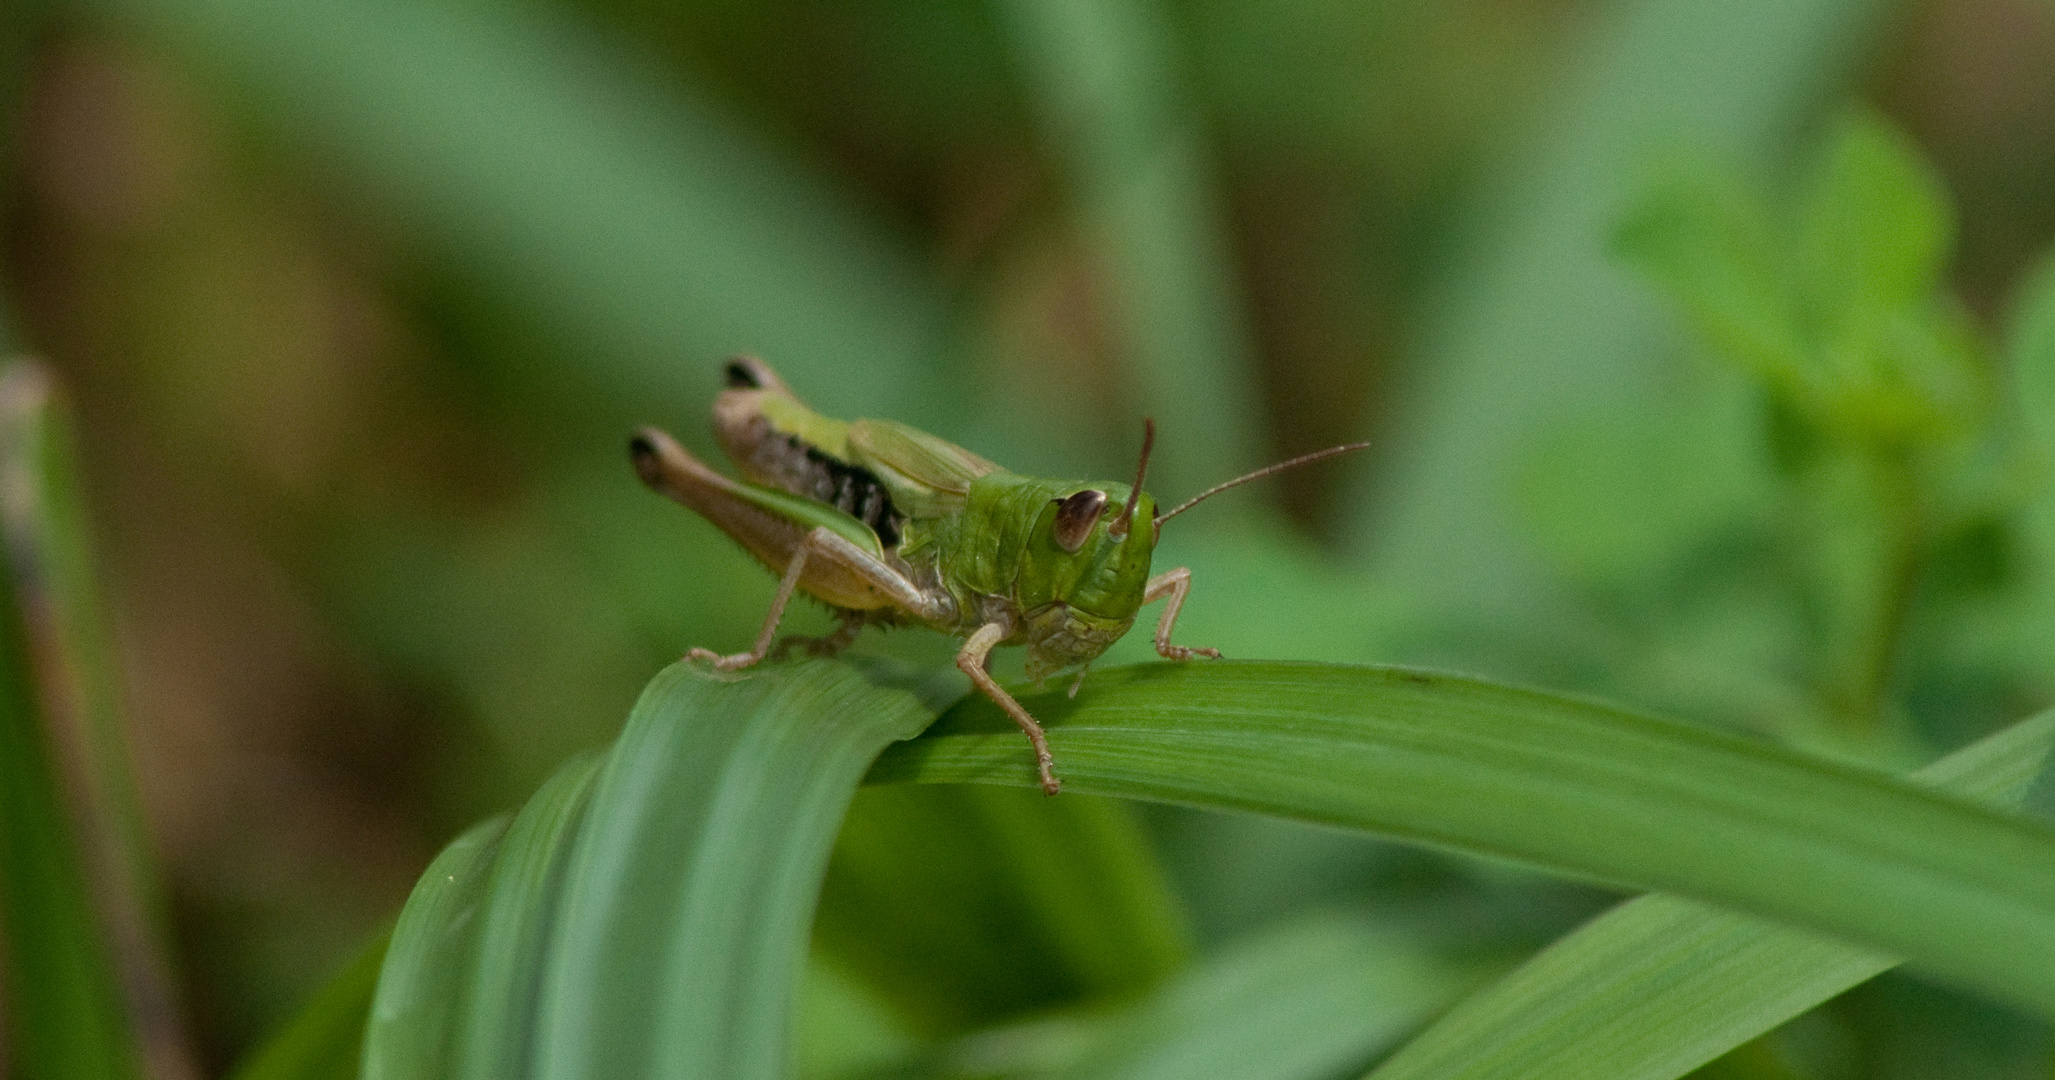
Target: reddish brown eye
1075, 517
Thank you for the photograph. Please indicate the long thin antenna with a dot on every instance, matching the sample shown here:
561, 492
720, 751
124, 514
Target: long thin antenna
1134, 498
1302, 459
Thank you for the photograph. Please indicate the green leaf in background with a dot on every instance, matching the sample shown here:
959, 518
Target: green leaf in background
1877, 402
1838, 312
1660, 985
1532, 319
1585, 788
1894, 358
634, 221
1103, 73
2031, 356
1711, 244
1876, 227
326, 1040
966, 906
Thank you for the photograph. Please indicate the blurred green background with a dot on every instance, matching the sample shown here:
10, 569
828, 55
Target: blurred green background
358, 299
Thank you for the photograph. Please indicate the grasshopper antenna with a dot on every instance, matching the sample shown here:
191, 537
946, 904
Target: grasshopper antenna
1267, 470
1134, 498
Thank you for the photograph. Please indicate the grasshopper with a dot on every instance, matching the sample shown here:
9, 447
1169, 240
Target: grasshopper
888, 525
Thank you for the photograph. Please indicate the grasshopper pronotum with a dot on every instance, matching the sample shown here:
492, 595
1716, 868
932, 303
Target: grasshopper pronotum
889, 525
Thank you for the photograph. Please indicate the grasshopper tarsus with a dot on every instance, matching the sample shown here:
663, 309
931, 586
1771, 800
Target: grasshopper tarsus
724, 662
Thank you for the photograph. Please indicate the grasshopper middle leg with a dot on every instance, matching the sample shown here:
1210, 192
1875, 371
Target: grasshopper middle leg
973, 659
1173, 584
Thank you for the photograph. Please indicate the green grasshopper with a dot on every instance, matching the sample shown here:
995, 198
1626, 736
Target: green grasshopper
888, 525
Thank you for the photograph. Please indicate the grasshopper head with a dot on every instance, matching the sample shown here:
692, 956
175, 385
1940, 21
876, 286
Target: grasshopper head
1089, 552
1084, 575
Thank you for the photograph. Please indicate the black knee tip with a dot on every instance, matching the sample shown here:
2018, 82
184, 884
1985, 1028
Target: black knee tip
740, 374
648, 462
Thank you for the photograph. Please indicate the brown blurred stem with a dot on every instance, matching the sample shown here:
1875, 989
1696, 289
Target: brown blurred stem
76, 692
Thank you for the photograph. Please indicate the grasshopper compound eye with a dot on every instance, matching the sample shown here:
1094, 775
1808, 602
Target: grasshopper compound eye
1075, 517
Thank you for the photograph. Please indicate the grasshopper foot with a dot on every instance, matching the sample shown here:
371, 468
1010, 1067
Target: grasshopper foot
1186, 652
1050, 785
724, 663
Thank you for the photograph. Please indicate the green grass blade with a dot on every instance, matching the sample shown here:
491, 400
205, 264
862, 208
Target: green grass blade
65, 1016
514, 922
420, 998
692, 882
326, 1040
1301, 1001
1581, 787
1660, 985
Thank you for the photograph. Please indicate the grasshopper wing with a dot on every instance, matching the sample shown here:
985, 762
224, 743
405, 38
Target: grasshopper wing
757, 410
927, 476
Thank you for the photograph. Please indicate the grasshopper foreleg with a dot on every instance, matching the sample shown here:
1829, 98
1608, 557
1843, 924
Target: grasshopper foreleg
976, 653
1173, 584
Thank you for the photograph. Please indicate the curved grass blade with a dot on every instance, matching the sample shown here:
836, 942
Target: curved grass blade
416, 1010
1581, 787
693, 878
326, 1040
1661, 985
646, 913
515, 919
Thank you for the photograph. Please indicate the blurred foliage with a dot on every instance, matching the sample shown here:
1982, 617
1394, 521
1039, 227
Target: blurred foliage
358, 299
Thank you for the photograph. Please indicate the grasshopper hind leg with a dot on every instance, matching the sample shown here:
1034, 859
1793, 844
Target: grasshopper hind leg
787, 585
824, 544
